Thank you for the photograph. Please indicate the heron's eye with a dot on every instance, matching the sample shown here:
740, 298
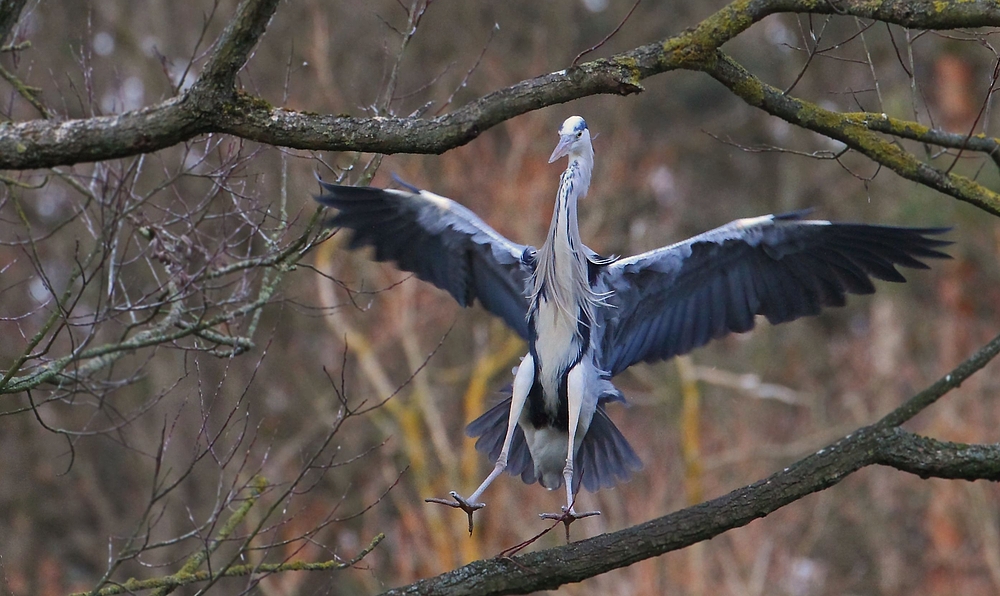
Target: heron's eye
579, 134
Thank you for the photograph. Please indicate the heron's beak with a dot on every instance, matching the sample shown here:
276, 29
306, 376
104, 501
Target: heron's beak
565, 142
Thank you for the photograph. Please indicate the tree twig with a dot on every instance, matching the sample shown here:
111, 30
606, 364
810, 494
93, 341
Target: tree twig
606, 37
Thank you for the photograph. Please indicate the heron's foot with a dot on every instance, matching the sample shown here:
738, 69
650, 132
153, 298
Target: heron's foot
567, 517
459, 502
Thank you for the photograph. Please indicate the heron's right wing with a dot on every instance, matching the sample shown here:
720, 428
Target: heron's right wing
441, 242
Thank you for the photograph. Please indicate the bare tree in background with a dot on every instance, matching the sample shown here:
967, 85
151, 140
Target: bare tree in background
200, 390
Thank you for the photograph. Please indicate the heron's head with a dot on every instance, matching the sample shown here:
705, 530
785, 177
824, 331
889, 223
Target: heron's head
574, 139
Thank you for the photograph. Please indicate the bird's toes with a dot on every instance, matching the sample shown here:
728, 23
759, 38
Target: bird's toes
568, 516
459, 502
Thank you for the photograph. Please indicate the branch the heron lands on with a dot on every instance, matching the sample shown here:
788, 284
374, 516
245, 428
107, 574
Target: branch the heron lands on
588, 318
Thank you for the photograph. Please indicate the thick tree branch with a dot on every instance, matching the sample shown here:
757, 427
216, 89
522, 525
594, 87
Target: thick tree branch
905, 129
234, 47
852, 129
930, 458
881, 443
44, 143
39, 144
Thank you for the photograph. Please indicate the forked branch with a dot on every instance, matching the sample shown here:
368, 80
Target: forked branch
213, 103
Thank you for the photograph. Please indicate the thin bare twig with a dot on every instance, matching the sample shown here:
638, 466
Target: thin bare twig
606, 37
475, 65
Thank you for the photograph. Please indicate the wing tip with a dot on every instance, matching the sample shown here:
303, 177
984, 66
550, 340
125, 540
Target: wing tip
334, 195
405, 184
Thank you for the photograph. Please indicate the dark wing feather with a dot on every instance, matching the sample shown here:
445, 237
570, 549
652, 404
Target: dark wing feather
441, 242
671, 300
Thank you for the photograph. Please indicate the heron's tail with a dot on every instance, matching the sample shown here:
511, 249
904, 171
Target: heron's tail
491, 428
604, 459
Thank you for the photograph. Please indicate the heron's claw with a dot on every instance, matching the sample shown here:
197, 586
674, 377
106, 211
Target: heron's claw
567, 517
460, 502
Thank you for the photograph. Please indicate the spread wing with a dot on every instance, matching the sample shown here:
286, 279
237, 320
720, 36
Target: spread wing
671, 300
441, 242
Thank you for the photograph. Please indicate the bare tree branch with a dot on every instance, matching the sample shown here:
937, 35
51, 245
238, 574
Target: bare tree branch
210, 107
233, 48
906, 129
881, 443
930, 458
853, 130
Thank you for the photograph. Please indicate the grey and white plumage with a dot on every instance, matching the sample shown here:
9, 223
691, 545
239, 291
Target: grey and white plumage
586, 319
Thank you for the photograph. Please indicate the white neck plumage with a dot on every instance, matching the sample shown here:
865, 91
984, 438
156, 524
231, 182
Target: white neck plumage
561, 274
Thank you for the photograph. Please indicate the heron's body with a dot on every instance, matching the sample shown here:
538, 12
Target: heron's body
586, 319
560, 317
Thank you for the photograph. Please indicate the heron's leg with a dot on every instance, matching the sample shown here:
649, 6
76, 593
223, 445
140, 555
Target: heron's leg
523, 380
575, 387
575, 390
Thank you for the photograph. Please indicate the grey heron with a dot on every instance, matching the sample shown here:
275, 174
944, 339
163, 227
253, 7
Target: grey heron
588, 318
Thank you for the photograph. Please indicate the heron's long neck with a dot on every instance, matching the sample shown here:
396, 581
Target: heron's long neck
561, 277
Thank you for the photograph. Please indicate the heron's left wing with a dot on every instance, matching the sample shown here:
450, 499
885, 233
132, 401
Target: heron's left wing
441, 242
671, 300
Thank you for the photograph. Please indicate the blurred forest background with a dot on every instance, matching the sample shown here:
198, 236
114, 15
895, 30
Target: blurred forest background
137, 465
